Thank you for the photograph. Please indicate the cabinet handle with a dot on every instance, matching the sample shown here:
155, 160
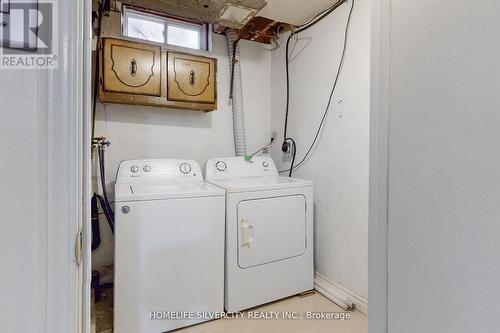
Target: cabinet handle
192, 77
133, 67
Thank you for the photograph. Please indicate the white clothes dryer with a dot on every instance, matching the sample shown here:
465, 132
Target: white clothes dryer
269, 231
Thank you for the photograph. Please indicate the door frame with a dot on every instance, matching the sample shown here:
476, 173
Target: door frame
61, 211
379, 164
85, 77
379, 167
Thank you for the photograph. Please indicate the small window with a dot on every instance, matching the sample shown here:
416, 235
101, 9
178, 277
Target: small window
165, 30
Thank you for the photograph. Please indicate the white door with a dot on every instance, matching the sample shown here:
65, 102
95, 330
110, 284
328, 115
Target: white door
271, 229
41, 187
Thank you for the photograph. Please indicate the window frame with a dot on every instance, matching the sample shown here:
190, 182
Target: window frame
204, 29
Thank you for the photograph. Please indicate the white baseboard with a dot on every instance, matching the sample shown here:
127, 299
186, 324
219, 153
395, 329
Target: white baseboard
338, 294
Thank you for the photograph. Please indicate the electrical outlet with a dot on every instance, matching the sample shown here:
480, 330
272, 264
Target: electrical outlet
285, 148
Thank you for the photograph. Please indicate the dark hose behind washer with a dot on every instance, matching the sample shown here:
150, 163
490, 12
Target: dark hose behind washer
100, 144
96, 232
103, 184
109, 216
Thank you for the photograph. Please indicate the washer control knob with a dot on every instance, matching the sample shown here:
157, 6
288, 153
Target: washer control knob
221, 166
265, 164
134, 169
185, 168
146, 168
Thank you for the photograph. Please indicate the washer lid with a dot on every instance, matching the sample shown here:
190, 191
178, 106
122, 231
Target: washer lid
249, 184
165, 190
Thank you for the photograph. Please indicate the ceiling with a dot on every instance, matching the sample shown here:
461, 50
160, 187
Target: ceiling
203, 10
295, 12
274, 16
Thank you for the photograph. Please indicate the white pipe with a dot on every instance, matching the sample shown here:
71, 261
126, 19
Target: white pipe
237, 101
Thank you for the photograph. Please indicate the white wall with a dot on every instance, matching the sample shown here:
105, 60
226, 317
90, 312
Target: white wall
339, 166
444, 180
138, 132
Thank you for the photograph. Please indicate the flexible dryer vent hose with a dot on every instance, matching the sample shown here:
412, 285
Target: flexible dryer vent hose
237, 93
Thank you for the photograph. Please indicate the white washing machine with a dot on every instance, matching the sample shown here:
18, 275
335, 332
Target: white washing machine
269, 231
169, 250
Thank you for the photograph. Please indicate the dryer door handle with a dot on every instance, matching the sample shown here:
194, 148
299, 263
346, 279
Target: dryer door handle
246, 233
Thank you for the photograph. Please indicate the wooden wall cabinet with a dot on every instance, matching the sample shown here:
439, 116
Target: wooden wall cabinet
190, 78
131, 68
144, 74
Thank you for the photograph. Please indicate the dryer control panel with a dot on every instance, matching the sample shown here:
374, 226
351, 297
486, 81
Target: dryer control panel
237, 167
137, 171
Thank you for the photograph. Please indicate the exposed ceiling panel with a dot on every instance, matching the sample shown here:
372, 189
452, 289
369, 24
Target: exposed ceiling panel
203, 10
294, 12
266, 19
259, 29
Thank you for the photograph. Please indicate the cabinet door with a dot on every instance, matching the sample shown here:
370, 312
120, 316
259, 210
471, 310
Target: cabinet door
191, 78
131, 68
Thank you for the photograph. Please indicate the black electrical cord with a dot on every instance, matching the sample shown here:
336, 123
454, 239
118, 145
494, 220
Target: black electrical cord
284, 146
294, 154
318, 18
337, 76
304, 27
96, 72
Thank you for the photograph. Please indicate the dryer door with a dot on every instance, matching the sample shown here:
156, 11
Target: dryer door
271, 229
